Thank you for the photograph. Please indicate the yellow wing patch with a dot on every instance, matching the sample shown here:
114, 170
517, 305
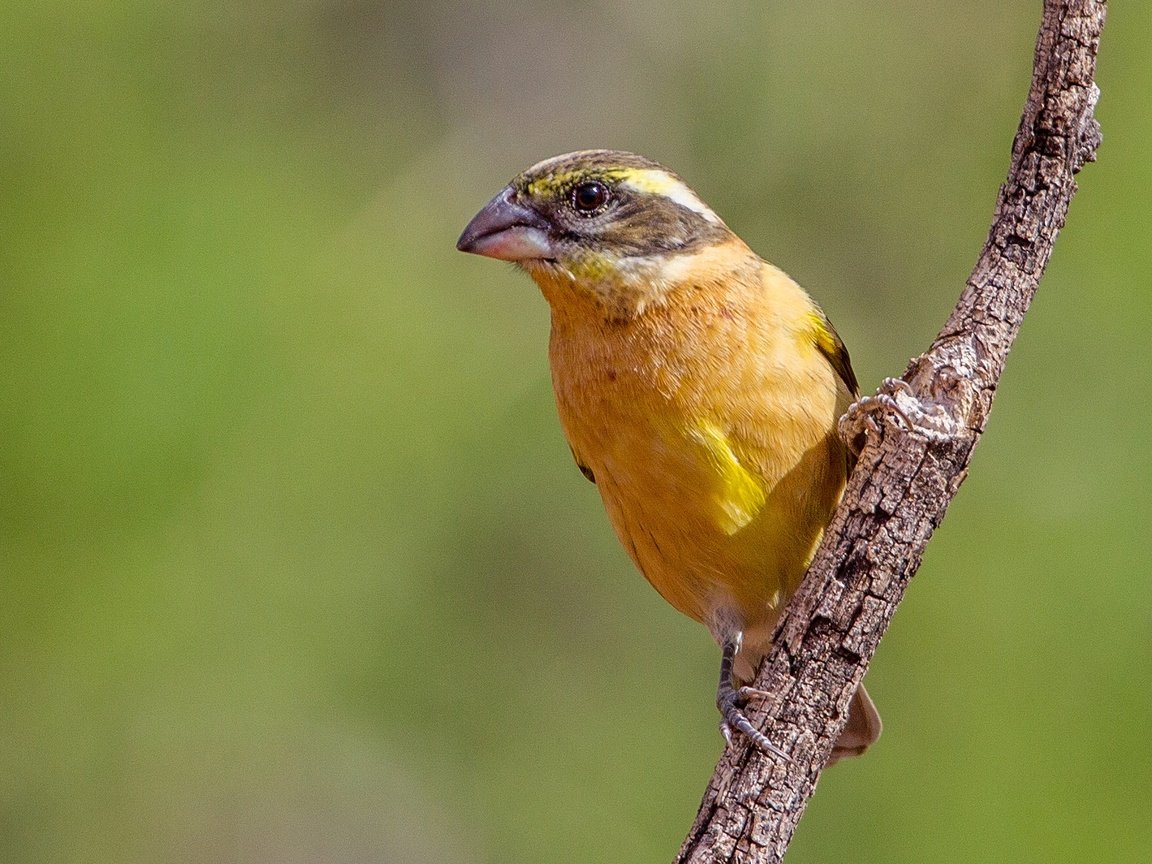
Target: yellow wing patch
740, 494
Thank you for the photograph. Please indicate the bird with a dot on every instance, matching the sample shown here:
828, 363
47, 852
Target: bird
698, 386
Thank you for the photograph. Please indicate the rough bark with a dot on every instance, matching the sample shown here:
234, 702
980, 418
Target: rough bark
917, 453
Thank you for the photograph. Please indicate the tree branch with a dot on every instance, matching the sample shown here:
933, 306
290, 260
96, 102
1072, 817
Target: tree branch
915, 458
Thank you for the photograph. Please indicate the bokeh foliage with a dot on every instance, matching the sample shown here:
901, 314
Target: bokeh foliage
294, 563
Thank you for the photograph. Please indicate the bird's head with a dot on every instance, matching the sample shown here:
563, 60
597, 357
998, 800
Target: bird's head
606, 223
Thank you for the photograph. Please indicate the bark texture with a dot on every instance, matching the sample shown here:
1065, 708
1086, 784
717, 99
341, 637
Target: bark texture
923, 430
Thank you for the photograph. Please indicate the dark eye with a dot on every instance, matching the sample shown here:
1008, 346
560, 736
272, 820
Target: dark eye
590, 196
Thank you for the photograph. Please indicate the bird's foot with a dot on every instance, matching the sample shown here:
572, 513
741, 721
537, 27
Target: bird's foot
731, 704
894, 398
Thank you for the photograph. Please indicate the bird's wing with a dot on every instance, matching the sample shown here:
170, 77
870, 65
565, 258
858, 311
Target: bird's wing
829, 343
832, 347
584, 469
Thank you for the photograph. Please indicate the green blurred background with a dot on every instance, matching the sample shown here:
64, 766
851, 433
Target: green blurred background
295, 564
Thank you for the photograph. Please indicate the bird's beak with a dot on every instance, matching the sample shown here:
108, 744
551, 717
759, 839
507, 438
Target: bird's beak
507, 230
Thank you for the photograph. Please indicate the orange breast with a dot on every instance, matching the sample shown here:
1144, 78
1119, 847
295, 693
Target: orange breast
709, 423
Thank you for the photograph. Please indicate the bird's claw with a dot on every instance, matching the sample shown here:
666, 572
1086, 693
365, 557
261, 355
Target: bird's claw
731, 704
895, 398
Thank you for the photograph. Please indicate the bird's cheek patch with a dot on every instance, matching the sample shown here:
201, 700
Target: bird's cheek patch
594, 268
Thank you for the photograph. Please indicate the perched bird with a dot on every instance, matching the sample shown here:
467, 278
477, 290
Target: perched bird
699, 388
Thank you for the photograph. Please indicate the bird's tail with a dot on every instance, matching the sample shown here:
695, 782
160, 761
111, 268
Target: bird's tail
862, 730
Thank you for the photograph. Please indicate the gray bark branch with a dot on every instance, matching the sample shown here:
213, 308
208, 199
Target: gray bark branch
917, 454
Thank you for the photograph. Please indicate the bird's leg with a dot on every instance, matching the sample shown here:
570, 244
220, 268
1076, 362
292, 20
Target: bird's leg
730, 700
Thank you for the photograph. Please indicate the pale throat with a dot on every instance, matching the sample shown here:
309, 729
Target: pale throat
623, 288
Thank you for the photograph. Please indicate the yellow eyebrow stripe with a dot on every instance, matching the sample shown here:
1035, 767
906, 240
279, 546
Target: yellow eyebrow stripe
650, 181
662, 183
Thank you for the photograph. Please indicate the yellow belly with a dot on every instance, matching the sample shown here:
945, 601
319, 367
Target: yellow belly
724, 542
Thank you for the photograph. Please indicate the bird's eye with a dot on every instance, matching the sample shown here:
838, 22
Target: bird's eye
589, 197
